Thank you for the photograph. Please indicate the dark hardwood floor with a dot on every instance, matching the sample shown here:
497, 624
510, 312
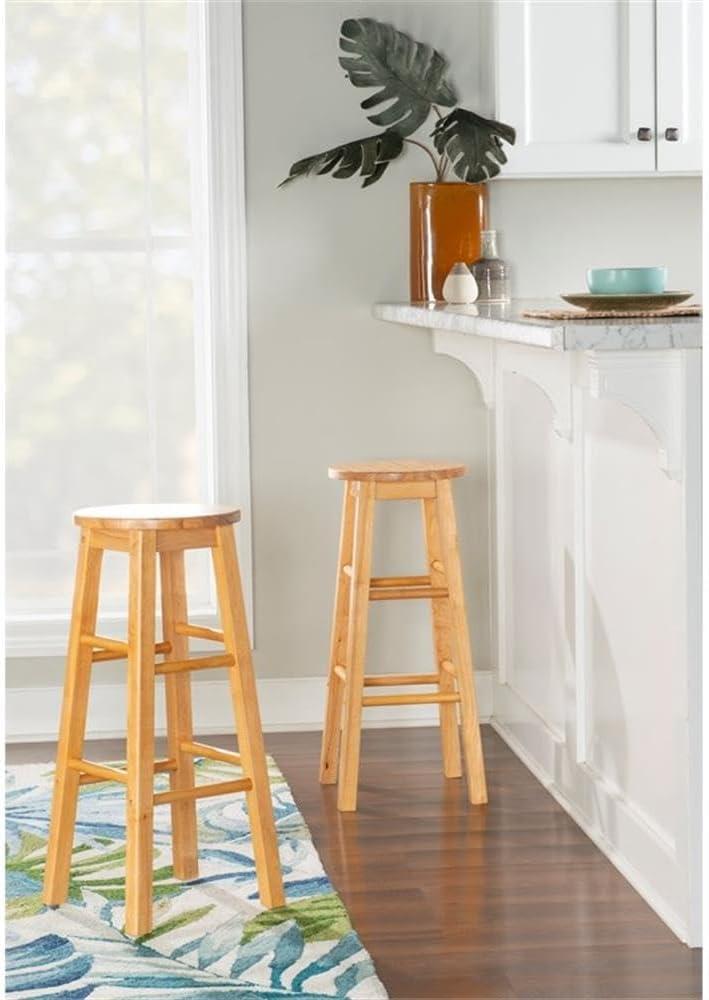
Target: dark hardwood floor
456, 901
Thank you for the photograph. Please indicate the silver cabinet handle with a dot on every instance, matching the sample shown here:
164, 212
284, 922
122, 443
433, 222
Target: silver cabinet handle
644, 135
672, 134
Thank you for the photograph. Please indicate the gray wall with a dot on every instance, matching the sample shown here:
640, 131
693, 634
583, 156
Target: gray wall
328, 383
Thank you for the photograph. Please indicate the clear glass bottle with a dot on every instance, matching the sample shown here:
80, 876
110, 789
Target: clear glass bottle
491, 272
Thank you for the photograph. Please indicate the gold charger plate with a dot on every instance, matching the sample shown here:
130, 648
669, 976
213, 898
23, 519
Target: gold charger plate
585, 300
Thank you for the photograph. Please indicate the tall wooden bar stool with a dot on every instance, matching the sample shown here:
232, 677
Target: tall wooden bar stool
355, 587
144, 532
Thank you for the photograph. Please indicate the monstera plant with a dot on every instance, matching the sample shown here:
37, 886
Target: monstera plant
410, 82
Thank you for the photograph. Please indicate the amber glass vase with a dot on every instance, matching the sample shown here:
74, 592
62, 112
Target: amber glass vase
446, 223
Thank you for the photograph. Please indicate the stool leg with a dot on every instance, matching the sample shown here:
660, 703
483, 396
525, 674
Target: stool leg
73, 723
443, 644
141, 733
178, 700
472, 744
338, 647
248, 720
356, 646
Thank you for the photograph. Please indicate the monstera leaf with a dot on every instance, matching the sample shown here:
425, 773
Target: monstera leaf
371, 156
472, 144
408, 73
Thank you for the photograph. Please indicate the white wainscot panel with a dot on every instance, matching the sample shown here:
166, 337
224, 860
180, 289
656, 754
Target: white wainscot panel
530, 577
636, 706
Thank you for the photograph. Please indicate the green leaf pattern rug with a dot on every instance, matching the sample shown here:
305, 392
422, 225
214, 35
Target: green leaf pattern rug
212, 939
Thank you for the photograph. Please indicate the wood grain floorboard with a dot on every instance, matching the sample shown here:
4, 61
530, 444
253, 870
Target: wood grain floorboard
508, 900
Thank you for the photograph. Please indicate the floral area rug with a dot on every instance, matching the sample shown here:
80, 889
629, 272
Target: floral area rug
212, 939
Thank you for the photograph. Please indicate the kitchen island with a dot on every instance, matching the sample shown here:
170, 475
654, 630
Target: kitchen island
594, 526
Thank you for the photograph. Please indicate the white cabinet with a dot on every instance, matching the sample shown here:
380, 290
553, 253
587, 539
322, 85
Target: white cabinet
600, 86
679, 84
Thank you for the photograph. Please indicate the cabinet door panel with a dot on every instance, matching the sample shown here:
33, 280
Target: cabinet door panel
679, 84
576, 79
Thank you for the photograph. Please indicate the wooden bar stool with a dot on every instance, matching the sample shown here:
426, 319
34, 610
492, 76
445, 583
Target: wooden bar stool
355, 587
144, 532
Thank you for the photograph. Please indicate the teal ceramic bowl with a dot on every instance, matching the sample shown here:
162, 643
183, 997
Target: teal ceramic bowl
626, 280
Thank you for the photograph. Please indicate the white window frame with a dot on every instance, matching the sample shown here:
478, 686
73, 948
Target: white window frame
220, 308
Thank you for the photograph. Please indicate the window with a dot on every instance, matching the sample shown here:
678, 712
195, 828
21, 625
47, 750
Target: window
125, 317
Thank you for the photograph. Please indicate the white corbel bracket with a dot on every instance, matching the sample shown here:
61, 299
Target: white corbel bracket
651, 384
476, 353
550, 371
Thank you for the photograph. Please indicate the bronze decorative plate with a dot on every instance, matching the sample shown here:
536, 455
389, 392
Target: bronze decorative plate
620, 303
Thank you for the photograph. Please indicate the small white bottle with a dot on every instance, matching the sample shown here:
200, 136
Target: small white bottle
460, 287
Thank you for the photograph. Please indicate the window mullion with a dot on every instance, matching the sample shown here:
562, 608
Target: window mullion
149, 313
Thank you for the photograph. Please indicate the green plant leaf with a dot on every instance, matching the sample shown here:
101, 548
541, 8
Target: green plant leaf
370, 156
472, 144
408, 73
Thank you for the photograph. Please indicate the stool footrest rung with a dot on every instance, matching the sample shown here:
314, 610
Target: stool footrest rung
91, 773
199, 632
114, 649
212, 753
399, 581
105, 655
391, 680
409, 699
204, 791
198, 663
393, 593
97, 772
104, 642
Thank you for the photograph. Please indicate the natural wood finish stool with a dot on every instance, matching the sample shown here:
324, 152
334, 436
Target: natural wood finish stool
356, 587
144, 532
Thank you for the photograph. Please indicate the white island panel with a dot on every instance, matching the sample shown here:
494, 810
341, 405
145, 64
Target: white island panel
594, 479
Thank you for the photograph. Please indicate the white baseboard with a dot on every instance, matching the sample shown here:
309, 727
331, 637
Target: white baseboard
628, 870
287, 704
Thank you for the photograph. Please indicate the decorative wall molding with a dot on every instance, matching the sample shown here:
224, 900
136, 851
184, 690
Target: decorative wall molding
651, 383
287, 705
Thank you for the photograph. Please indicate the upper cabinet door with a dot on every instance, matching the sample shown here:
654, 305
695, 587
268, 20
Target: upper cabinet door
576, 78
679, 84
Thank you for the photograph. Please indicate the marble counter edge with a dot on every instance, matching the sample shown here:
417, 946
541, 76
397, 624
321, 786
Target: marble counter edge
558, 335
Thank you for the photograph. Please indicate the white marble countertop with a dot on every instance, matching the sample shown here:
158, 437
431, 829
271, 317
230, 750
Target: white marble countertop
506, 322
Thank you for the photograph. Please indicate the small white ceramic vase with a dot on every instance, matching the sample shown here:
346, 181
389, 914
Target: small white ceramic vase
460, 287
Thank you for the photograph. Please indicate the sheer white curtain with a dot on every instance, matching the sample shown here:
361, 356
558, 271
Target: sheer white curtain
112, 393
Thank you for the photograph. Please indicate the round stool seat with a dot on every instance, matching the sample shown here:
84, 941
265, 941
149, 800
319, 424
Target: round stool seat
156, 516
396, 470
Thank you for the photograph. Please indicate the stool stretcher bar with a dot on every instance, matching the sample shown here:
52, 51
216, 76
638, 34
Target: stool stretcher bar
92, 773
409, 699
389, 680
99, 772
204, 791
103, 642
199, 663
199, 632
399, 581
392, 593
392, 680
160, 647
115, 649
212, 753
